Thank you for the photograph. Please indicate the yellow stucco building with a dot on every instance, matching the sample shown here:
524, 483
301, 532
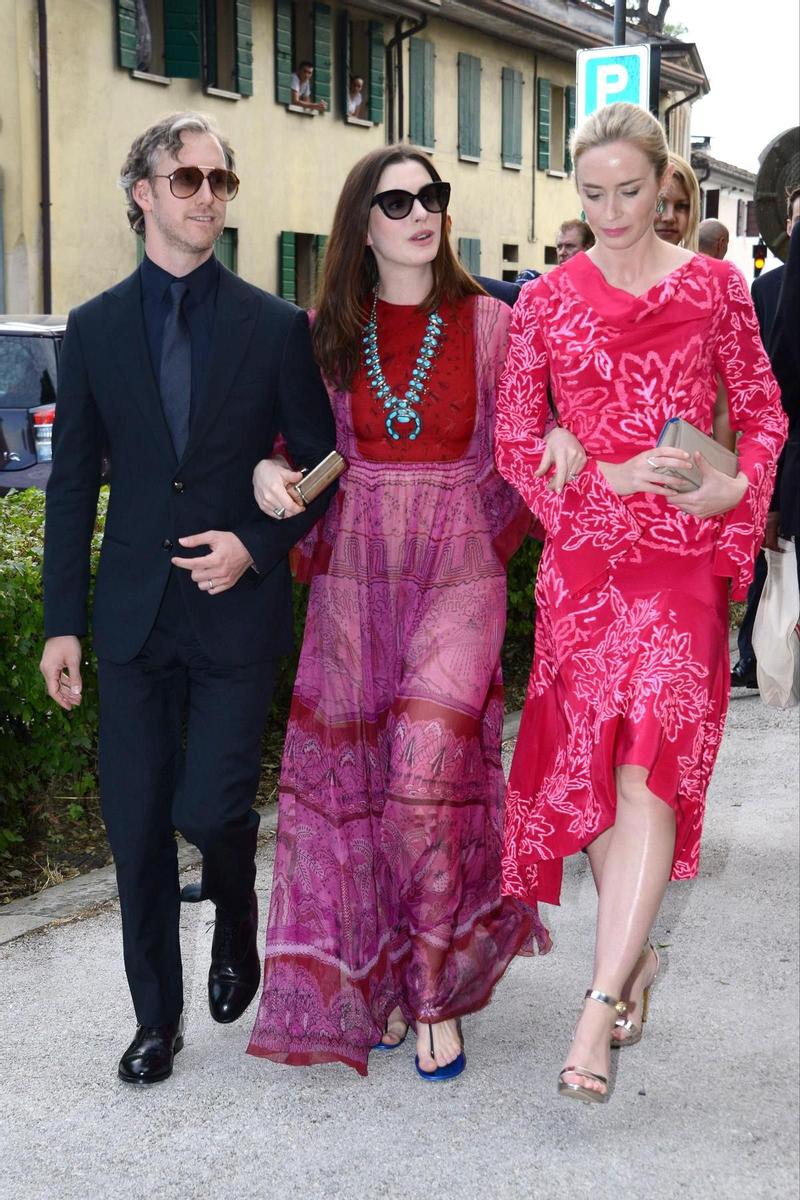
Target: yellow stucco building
487, 87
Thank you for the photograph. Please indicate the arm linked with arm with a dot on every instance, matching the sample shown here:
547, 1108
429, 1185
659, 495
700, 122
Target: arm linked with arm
586, 521
306, 422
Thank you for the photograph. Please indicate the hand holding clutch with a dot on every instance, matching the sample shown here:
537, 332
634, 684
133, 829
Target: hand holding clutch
319, 477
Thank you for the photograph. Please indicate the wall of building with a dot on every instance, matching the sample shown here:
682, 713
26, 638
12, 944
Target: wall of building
292, 166
19, 156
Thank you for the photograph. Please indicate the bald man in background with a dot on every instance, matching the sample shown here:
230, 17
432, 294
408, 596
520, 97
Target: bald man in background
712, 238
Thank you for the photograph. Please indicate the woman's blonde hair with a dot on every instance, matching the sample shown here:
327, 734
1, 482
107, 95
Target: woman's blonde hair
682, 171
623, 123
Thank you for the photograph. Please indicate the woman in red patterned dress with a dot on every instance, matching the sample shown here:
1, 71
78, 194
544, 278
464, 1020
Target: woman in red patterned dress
628, 692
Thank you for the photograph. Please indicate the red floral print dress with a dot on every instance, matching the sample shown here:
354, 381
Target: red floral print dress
631, 656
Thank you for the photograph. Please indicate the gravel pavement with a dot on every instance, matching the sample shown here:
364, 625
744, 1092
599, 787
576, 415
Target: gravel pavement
705, 1106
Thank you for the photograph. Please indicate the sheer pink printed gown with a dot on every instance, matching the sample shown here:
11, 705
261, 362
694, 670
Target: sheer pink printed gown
631, 657
386, 887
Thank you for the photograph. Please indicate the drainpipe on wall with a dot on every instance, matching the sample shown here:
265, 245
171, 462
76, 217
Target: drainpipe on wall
2, 250
394, 70
44, 160
669, 111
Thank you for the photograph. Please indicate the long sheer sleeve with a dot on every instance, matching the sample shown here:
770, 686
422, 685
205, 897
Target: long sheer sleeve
587, 523
755, 412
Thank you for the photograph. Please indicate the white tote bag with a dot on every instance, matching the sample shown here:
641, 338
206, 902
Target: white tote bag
775, 632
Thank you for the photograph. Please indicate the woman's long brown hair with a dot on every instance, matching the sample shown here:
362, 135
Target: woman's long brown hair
350, 272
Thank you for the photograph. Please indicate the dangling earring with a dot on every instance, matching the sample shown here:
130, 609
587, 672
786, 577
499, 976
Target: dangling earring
660, 206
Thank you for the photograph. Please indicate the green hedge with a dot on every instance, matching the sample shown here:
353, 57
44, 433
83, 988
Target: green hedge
40, 745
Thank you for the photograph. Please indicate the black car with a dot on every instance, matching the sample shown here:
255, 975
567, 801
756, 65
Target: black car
30, 348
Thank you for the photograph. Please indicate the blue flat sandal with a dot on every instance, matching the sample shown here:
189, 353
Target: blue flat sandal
384, 1046
441, 1073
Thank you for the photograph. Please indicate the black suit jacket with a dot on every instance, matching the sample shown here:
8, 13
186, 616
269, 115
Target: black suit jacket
765, 291
261, 379
501, 289
783, 347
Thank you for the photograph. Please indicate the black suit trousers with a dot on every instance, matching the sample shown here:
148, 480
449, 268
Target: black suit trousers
180, 748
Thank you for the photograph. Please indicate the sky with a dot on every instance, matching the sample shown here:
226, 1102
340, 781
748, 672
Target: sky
751, 53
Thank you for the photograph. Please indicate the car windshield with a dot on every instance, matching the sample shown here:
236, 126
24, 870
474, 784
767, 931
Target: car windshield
27, 371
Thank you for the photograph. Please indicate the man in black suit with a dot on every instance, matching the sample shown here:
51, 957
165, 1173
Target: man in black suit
185, 373
765, 292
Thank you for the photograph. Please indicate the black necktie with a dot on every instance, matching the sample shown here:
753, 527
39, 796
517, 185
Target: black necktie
175, 379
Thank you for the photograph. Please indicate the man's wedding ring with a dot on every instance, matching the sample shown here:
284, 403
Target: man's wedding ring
279, 510
211, 585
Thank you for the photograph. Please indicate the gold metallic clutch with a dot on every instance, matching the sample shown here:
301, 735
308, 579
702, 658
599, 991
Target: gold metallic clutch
682, 435
319, 477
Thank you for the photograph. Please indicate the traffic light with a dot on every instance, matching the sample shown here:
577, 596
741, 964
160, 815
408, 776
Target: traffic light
759, 258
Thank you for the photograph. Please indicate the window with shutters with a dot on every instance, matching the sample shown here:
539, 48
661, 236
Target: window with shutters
469, 253
303, 35
361, 68
140, 38
555, 120
469, 108
511, 141
420, 92
299, 266
228, 47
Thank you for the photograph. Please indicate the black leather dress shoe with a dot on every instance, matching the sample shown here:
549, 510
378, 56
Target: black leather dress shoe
149, 1057
744, 675
192, 893
235, 966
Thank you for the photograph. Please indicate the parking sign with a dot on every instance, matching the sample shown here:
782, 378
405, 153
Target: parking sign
611, 74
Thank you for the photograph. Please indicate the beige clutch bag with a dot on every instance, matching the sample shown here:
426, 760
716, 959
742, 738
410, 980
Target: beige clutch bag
320, 477
682, 435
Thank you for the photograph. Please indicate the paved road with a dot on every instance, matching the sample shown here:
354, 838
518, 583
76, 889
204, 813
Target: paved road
706, 1106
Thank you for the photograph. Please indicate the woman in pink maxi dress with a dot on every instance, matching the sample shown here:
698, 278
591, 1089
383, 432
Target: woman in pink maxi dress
628, 693
386, 907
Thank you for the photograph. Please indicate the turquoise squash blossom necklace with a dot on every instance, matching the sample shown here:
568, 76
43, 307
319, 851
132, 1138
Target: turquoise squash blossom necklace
402, 411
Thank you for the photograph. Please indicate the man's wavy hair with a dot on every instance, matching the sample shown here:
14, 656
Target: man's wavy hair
163, 137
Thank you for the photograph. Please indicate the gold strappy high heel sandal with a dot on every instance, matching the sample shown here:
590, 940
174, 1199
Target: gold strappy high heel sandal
575, 1091
633, 1030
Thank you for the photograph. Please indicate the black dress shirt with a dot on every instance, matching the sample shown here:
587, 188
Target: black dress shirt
199, 308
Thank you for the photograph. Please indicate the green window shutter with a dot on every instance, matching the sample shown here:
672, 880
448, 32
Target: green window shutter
420, 89
227, 248
283, 51
126, 34
243, 40
469, 252
182, 38
288, 267
511, 152
469, 106
212, 65
322, 53
345, 44
543, 124
377, 63
569, 125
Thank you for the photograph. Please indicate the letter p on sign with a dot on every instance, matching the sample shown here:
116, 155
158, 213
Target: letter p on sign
611, 74
612, 83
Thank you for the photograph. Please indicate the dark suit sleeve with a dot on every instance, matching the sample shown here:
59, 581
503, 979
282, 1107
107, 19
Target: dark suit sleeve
72, 491
783, 345
306, 421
